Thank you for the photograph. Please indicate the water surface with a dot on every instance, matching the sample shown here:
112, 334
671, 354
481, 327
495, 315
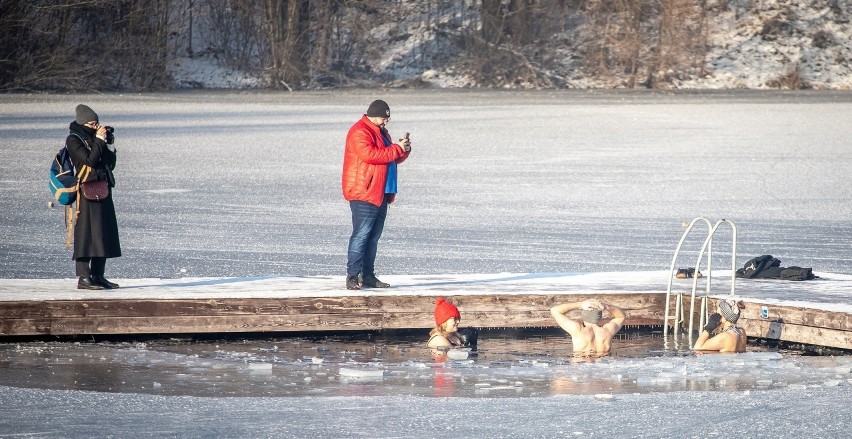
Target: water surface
507, 363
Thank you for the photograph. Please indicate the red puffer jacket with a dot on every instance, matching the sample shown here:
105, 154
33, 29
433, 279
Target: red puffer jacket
365, 163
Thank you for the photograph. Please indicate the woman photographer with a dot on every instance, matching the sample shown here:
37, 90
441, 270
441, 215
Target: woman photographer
90, 146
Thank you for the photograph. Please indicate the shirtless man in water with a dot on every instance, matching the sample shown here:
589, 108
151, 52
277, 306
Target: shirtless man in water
587, 336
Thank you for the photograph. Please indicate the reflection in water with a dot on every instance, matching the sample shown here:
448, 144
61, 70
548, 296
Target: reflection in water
444, 382
507, 363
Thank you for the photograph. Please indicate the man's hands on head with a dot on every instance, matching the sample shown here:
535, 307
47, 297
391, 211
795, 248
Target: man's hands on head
592, 304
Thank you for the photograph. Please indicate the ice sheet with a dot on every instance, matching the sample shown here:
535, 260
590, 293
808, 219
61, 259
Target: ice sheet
245, 186
248, 184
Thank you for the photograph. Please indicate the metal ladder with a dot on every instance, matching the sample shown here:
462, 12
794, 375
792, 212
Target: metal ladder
677, 316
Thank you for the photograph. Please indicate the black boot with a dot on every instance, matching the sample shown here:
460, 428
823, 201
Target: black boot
353, 282
87, 283
370, 281
101, 280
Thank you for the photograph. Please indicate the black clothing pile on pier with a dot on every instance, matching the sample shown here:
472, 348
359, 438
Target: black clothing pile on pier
768, 267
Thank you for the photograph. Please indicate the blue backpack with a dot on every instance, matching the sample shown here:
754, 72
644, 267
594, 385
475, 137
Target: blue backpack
63, 178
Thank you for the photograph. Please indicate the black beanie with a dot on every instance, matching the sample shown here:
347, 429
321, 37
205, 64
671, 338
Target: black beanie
379, 108
85, 114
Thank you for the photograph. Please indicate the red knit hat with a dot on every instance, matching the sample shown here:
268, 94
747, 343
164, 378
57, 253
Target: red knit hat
444, 311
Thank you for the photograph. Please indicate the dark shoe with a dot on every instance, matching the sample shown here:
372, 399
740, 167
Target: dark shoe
100, 280
371, 281
87, 283
353, 282
687, 273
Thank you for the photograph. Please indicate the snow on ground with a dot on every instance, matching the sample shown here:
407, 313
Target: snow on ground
747, 52
209, 73
831, 292
752, 45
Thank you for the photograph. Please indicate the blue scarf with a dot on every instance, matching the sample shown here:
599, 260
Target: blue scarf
390, 182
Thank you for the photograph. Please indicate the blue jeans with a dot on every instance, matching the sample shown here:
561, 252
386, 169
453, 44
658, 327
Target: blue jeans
368, 221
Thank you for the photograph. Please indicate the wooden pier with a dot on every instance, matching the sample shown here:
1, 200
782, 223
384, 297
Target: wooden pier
357, 313
287, 304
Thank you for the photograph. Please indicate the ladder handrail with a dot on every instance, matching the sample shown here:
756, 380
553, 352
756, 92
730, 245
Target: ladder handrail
707, 244
672, 268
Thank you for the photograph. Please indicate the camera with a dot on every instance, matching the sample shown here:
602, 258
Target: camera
110, 137
407, 146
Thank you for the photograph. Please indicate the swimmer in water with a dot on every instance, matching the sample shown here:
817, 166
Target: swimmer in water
447, 318
587, 337
447, 334
730, 338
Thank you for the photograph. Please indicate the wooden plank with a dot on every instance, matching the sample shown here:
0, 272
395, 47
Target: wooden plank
307, 322
15, 327
792, 315
292, 306
216, 324
791, 324
528, 302
509, 311
212, 307
497, 320
800, 316
321, 305
247, 315
798, 333
24, 310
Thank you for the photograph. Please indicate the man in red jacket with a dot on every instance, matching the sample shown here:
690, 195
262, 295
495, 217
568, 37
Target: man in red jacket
369, 184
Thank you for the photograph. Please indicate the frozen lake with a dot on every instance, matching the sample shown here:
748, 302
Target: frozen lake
248, 184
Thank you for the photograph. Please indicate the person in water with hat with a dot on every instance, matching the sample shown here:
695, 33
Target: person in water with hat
446, 333
586, 335
369, 185
729, 337
447, 318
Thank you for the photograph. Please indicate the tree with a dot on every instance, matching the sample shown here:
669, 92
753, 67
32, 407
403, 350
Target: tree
286, 24
84, 44
504, 20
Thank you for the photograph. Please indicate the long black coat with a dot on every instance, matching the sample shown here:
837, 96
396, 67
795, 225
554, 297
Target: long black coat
96, 229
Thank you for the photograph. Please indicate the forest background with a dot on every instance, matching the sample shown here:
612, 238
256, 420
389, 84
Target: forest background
147, 45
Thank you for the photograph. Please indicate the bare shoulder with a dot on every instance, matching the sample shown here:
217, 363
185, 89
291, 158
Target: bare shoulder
613, 326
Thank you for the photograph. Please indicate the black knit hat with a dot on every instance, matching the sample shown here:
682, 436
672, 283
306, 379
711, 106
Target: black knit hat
379, 108
85, 114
